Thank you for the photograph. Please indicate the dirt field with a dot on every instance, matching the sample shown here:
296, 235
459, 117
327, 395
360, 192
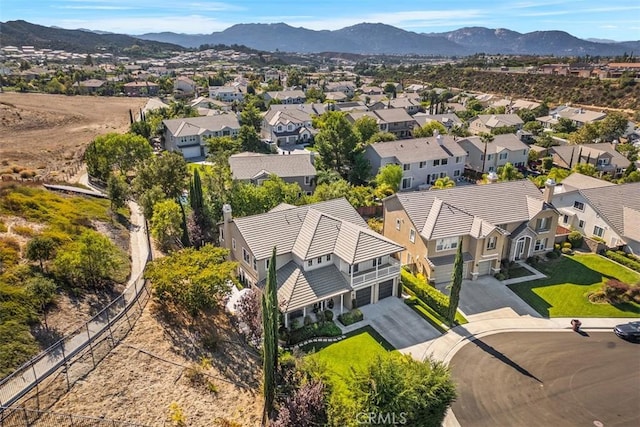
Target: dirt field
48, 133
146, 373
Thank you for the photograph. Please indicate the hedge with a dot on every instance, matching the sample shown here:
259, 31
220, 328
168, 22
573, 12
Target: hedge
435, 299
321, 329
623, 259
351, 317
425, 312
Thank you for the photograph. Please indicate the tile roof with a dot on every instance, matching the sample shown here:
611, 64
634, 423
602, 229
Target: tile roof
499, 120
581, 152
577, 181
508, 141
618, 205
245, 166
498, 203
418, 149
199, 125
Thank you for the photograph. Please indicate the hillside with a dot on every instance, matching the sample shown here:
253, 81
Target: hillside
370, 38
553, 89
22, 33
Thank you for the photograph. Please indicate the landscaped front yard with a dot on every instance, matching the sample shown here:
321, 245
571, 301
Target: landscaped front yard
571, 278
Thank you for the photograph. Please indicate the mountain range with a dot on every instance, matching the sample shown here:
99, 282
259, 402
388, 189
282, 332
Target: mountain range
365, 38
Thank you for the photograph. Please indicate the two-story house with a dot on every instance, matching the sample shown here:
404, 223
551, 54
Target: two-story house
286, 96
287, 126
346, 87
599, 208
326, 256
410, 105
189, 135
603, 156
485, 123
226, 93
292, 168
505, 148
423, 160
141, 88
184, 86
448, 120
393, 120
578, 116
506, 220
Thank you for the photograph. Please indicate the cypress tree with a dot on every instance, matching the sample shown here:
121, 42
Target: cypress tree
456, 285
270, 320
195, 193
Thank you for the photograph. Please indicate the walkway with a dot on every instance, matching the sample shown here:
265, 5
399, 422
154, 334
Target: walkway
12, 387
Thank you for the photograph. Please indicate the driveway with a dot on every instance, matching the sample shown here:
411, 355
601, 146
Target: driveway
487, 297
398, 323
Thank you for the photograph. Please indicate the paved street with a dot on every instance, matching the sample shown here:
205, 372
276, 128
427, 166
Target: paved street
549, 379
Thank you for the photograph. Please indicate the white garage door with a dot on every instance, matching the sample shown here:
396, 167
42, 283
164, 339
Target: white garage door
191, 152
443, 273
484, 268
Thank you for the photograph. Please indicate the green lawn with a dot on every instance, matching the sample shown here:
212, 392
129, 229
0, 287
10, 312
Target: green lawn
355, 352
571, 278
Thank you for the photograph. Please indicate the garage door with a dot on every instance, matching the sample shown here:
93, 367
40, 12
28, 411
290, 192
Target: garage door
191, 152
385, 289
443, 273
363, 296
484, 268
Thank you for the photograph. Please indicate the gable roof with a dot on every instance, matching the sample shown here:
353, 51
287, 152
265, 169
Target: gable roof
578, 181
199, 125
499, 120
507, 141
245, 166
286, 94
564, 153
417, 149
498, 203
619, 206
284, 227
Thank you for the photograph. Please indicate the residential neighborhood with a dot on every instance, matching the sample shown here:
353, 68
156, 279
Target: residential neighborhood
226, 235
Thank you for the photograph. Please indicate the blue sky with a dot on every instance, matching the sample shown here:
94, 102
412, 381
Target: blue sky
617, 20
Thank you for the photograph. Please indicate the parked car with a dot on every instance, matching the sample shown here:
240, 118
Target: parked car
629, 331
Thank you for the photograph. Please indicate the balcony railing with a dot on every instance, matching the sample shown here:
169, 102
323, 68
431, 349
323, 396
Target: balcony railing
390, 269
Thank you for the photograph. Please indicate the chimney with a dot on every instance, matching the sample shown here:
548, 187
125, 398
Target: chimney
226, 213
439, 139
519, 134
492, 177
225, 229
549, 187
436, 132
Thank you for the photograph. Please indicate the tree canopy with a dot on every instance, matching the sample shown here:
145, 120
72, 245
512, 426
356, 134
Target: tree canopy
114, 151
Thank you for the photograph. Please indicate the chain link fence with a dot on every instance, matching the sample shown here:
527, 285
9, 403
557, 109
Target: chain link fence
20, 417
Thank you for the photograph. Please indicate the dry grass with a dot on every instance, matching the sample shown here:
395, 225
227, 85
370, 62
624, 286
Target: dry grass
50, 132
154, 368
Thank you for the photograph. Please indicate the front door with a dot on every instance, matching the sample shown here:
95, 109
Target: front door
519, 248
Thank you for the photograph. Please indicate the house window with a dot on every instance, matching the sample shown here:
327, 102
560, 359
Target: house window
481, 156
542, 224
255, 264
406, 183
524, 152
377, 261
353, 268
266, 264
491, 242
578, 205
329, 257
503, 156
458, 159
565, 219
245, 256
444, 161
443, 174
603, 162
222, 234
581, 223
436, 162
307, 180
446, 244
412, 236
423, 164
406, 166
319, 260
397, 223
598, 231
456, 172
279, 128
540, 245
233, 244
310, 263
489, 156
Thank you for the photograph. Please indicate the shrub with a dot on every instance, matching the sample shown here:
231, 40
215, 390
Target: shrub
411, 301
557, 247
323, 329
624, 260
320, 317
351, 317
500, 276
552, 255
27, 174
615, 290
430, 295
307, 320
328, 315
566, 245
23, 230
575, 238
567, 251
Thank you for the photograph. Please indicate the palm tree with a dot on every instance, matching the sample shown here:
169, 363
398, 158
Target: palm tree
508, 173
486, 138
443, 183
